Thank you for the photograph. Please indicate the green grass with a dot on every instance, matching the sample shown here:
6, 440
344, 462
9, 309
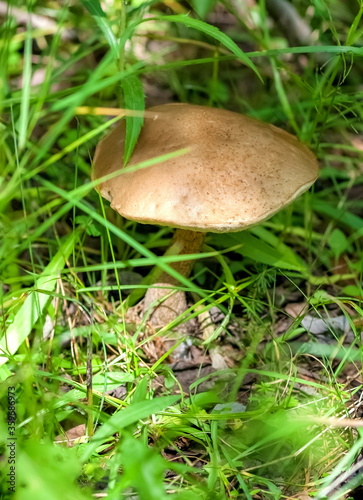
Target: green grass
264, 427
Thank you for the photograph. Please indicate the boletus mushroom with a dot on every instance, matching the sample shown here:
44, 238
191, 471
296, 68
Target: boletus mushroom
237, 172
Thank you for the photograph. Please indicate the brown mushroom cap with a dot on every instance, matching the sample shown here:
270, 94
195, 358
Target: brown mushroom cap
238, 171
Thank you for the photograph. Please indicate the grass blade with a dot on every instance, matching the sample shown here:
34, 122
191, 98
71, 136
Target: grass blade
124, 418
214, 33
135, 100
25, 94
263, 251
35, 303
95, 9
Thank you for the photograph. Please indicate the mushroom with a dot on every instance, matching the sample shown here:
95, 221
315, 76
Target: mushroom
237, 172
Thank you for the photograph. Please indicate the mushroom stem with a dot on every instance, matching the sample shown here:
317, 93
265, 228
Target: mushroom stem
184, 242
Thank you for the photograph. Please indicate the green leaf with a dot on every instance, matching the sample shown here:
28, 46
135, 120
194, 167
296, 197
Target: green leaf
352, 291
203, 7
101, 383
340, 214
330, 351
338, 242
42, 479
285, 251
95, 9
25, 94
88, 224
134, 99
141, 390
35, 304
143, 469
126, 417
271, 251
206, 28
214, 33
108, 381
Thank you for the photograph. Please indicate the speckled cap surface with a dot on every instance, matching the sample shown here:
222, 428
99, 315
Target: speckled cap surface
237, 172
